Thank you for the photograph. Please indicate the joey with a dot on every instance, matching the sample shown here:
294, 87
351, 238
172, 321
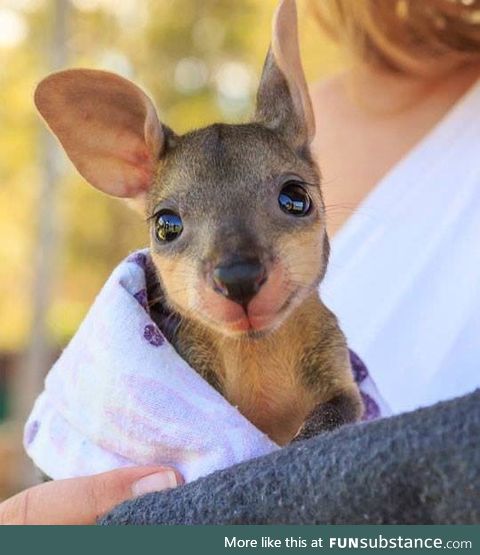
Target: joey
237, 226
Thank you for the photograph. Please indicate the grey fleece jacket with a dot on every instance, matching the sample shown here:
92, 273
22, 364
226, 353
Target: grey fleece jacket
417, 468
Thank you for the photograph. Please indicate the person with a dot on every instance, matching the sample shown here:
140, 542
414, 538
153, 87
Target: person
83, 500
397, 146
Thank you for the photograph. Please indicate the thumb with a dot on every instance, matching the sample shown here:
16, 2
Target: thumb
83, 500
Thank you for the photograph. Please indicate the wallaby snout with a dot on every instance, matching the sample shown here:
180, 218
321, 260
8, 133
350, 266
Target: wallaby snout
239, 281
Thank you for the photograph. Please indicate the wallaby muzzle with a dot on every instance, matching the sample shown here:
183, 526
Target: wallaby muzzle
239, 280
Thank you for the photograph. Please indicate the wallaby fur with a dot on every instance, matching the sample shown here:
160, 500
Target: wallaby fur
278, 355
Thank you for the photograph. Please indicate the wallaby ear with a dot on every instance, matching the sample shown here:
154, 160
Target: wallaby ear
107, 126
283, 100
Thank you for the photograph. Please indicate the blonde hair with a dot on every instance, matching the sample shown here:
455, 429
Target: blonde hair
419, 37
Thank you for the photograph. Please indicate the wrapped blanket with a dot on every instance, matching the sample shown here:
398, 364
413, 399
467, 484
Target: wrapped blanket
120, 395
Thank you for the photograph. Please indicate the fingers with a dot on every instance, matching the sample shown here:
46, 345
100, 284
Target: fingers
83, 500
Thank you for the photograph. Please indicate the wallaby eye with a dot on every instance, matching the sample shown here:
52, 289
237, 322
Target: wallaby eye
294, 200
168, 226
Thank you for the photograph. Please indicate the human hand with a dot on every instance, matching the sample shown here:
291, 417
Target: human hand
83, 500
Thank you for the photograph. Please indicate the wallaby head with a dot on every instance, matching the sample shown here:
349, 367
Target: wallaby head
235, 211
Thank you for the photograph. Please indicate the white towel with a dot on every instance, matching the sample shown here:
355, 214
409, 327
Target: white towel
120, 395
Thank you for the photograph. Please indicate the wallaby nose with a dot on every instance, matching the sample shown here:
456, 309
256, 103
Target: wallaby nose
239, 281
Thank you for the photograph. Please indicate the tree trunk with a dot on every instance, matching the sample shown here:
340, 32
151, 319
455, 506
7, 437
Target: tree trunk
29, 379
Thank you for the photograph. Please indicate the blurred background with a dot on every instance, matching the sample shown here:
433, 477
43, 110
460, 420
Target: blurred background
59, 238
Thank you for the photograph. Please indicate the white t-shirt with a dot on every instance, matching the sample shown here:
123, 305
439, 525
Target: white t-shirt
404, 273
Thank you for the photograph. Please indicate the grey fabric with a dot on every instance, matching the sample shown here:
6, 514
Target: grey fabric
417, 468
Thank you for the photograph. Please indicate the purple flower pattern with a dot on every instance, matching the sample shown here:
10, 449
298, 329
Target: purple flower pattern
31, 432
141, 297
360, 372
372, 410
153, 335
138, 258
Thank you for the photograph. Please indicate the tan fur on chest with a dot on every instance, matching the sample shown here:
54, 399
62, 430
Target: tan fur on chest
275, 381
262, 379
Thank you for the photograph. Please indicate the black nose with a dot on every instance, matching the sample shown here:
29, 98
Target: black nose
239, 281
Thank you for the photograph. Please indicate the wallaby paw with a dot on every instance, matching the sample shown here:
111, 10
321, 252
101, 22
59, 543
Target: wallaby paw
323, 418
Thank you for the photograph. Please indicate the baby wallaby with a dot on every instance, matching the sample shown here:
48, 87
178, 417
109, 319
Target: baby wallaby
238, 240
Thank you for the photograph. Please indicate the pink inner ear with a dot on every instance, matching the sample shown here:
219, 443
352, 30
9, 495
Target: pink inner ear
136, 173
108, 128
116, 161
125, 180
